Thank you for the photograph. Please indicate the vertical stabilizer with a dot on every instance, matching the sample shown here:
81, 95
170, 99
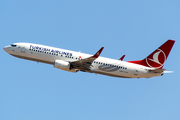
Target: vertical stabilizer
157, 58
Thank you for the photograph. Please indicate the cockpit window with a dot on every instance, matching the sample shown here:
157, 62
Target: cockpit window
13, 45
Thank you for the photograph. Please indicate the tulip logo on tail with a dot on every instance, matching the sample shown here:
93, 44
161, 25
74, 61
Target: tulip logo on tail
156, 59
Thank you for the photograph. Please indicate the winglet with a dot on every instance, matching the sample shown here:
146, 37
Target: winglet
122, 58
98, 53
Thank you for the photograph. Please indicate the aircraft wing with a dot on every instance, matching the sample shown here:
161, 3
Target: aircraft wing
85, 64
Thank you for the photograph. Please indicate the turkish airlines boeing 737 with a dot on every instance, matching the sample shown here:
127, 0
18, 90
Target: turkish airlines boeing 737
71, 61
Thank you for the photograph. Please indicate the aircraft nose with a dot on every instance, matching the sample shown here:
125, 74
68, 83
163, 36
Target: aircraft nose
6, 48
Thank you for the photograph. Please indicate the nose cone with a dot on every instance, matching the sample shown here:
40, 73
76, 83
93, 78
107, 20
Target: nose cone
6, 48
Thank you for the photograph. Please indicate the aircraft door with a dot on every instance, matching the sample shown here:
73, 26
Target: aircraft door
136, 71
23, 49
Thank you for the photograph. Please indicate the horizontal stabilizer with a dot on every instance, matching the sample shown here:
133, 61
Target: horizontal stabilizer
157, 70
168, 71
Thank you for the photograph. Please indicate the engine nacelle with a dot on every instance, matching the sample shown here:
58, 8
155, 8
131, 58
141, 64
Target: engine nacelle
63, 65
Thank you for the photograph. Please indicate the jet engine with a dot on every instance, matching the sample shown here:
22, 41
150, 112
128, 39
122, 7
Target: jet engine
63, 65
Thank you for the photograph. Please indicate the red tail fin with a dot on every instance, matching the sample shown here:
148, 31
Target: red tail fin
157, 58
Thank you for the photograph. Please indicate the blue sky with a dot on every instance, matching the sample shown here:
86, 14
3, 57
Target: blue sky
30, 90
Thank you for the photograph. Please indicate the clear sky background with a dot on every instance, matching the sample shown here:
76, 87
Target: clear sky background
37, 91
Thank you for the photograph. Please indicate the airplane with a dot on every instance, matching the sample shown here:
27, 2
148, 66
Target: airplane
72, 61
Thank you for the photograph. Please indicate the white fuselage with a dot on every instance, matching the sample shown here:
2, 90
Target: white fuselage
101, 65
